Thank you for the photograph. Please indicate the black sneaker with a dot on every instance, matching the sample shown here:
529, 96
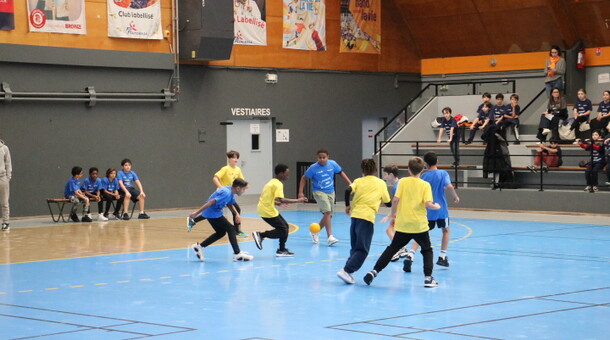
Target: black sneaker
258, 240
86, 219
430, 282
283, 253
117, 216
143, 216
126, 216
5, 227
443, 261
368, 278
407, 265
74, 218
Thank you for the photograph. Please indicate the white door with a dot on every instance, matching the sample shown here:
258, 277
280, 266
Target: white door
370, 126
253, 140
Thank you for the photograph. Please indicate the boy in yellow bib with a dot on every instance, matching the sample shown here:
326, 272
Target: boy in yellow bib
224, 177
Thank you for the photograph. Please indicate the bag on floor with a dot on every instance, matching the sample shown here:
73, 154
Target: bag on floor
565, 133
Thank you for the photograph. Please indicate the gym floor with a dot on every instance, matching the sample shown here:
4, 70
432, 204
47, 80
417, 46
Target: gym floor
512, 276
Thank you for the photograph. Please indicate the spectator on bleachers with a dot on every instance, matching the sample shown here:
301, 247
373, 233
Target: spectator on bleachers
549, 120
499, 110
602, 120
596, 162
512, 111
582, 110
554, 71
480, 120
547, 156
449, 124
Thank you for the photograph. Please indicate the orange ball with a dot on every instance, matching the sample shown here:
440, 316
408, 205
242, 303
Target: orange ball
315, 228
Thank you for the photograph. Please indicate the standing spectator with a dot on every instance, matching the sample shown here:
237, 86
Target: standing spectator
597, 162
602, 120
449, 124
6, 170
549, 120
554, 71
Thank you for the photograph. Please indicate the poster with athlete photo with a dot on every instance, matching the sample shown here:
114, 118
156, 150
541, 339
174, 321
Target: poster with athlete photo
360, 26
7, 15
136, 19
304, 25
250, 25
57, 16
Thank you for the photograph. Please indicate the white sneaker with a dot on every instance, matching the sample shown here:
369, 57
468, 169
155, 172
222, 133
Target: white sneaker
332, 240
242, 256
545, 132
198, 251
346, 277
587, 188
101, 217
399, 254
315, 238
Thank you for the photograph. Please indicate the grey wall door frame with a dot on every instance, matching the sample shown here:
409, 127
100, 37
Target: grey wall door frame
253, 139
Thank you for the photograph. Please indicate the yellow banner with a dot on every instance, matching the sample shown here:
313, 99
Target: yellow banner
361, 26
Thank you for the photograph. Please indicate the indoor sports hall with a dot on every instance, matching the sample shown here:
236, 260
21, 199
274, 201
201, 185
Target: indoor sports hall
106, 99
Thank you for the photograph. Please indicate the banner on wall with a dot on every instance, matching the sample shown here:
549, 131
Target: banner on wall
7, 15
57, 16
136, 19
304, 25
250, 22
361, 26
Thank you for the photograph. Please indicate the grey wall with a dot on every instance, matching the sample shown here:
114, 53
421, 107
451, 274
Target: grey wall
46, 139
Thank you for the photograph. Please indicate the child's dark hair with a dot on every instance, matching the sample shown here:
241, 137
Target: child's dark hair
499, 96
322, 151
448, 109
126, 160
92, 169
487, 105
233, 154
581, 89
239, 183
109, 171
486, 95
514, 95
76, 170
430, 158
391, 169
280, 168
554, 140
368, 166
416, 165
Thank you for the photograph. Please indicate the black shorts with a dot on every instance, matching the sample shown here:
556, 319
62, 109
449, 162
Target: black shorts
134, 193
441, 223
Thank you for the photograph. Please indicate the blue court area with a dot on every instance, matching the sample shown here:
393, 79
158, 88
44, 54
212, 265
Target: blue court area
506, 280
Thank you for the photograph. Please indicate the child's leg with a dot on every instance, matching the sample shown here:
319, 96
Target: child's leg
279, 231
326, 221
221, 227
455, 149
141, 201
237, 225
361, 232
423, 239
400, 240
390, 232
415, 246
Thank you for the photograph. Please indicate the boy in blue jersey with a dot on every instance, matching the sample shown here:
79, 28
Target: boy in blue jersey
76, 196
512, 112
110, 192
439, 181
91, 189
478, 123
212, 211
322, 174
449, 124
127, 178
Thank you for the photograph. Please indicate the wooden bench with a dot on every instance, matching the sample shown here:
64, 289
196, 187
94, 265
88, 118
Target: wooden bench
61, 203
576, 146
446, 167
552, 168
440, 145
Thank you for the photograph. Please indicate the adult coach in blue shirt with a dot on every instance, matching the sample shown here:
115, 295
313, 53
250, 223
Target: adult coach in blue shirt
322, 174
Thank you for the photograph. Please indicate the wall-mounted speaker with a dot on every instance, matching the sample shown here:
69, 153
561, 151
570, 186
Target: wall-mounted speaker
205, 29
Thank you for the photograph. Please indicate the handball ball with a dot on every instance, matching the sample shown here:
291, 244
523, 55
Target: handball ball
314, 228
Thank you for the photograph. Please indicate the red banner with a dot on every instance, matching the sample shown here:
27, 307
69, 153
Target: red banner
7, 15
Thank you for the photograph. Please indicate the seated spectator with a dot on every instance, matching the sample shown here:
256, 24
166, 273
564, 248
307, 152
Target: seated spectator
512, 112
549, 120
110, 192
596, 163
127, 178
76, 196
480, 119
547, 156
602, 121
91, 189
582, 110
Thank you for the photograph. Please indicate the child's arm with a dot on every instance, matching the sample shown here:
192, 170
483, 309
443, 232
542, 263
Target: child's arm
346, 178
302, 186
440, 135
484, 124
139, 184
454, 195
451, 132
432, 205
216, 181
80, 195
395, 201
476, 120
203, 207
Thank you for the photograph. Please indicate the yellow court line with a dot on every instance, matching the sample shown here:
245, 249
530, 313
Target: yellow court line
79, 286
122, 281
165, 277
223, 271
139, 260
54, 288
101, 284
25, 291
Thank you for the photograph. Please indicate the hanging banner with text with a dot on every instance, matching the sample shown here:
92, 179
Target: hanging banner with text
304, 25
57, 16
136, 19
361, 26
250, 26
7, 15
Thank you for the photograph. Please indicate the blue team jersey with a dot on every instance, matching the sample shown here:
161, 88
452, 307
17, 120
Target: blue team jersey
499, 111
92, 186
438, 180
481, 115
583, 106
223, 197
72, 185
448, 124
492, 118
127, 178
508, 109
604, 108
110, 186
323, 176
394, 188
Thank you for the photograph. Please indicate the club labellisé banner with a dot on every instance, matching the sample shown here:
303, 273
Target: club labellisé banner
361, 26
304, 25
250, 22
137, 19
57, 16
